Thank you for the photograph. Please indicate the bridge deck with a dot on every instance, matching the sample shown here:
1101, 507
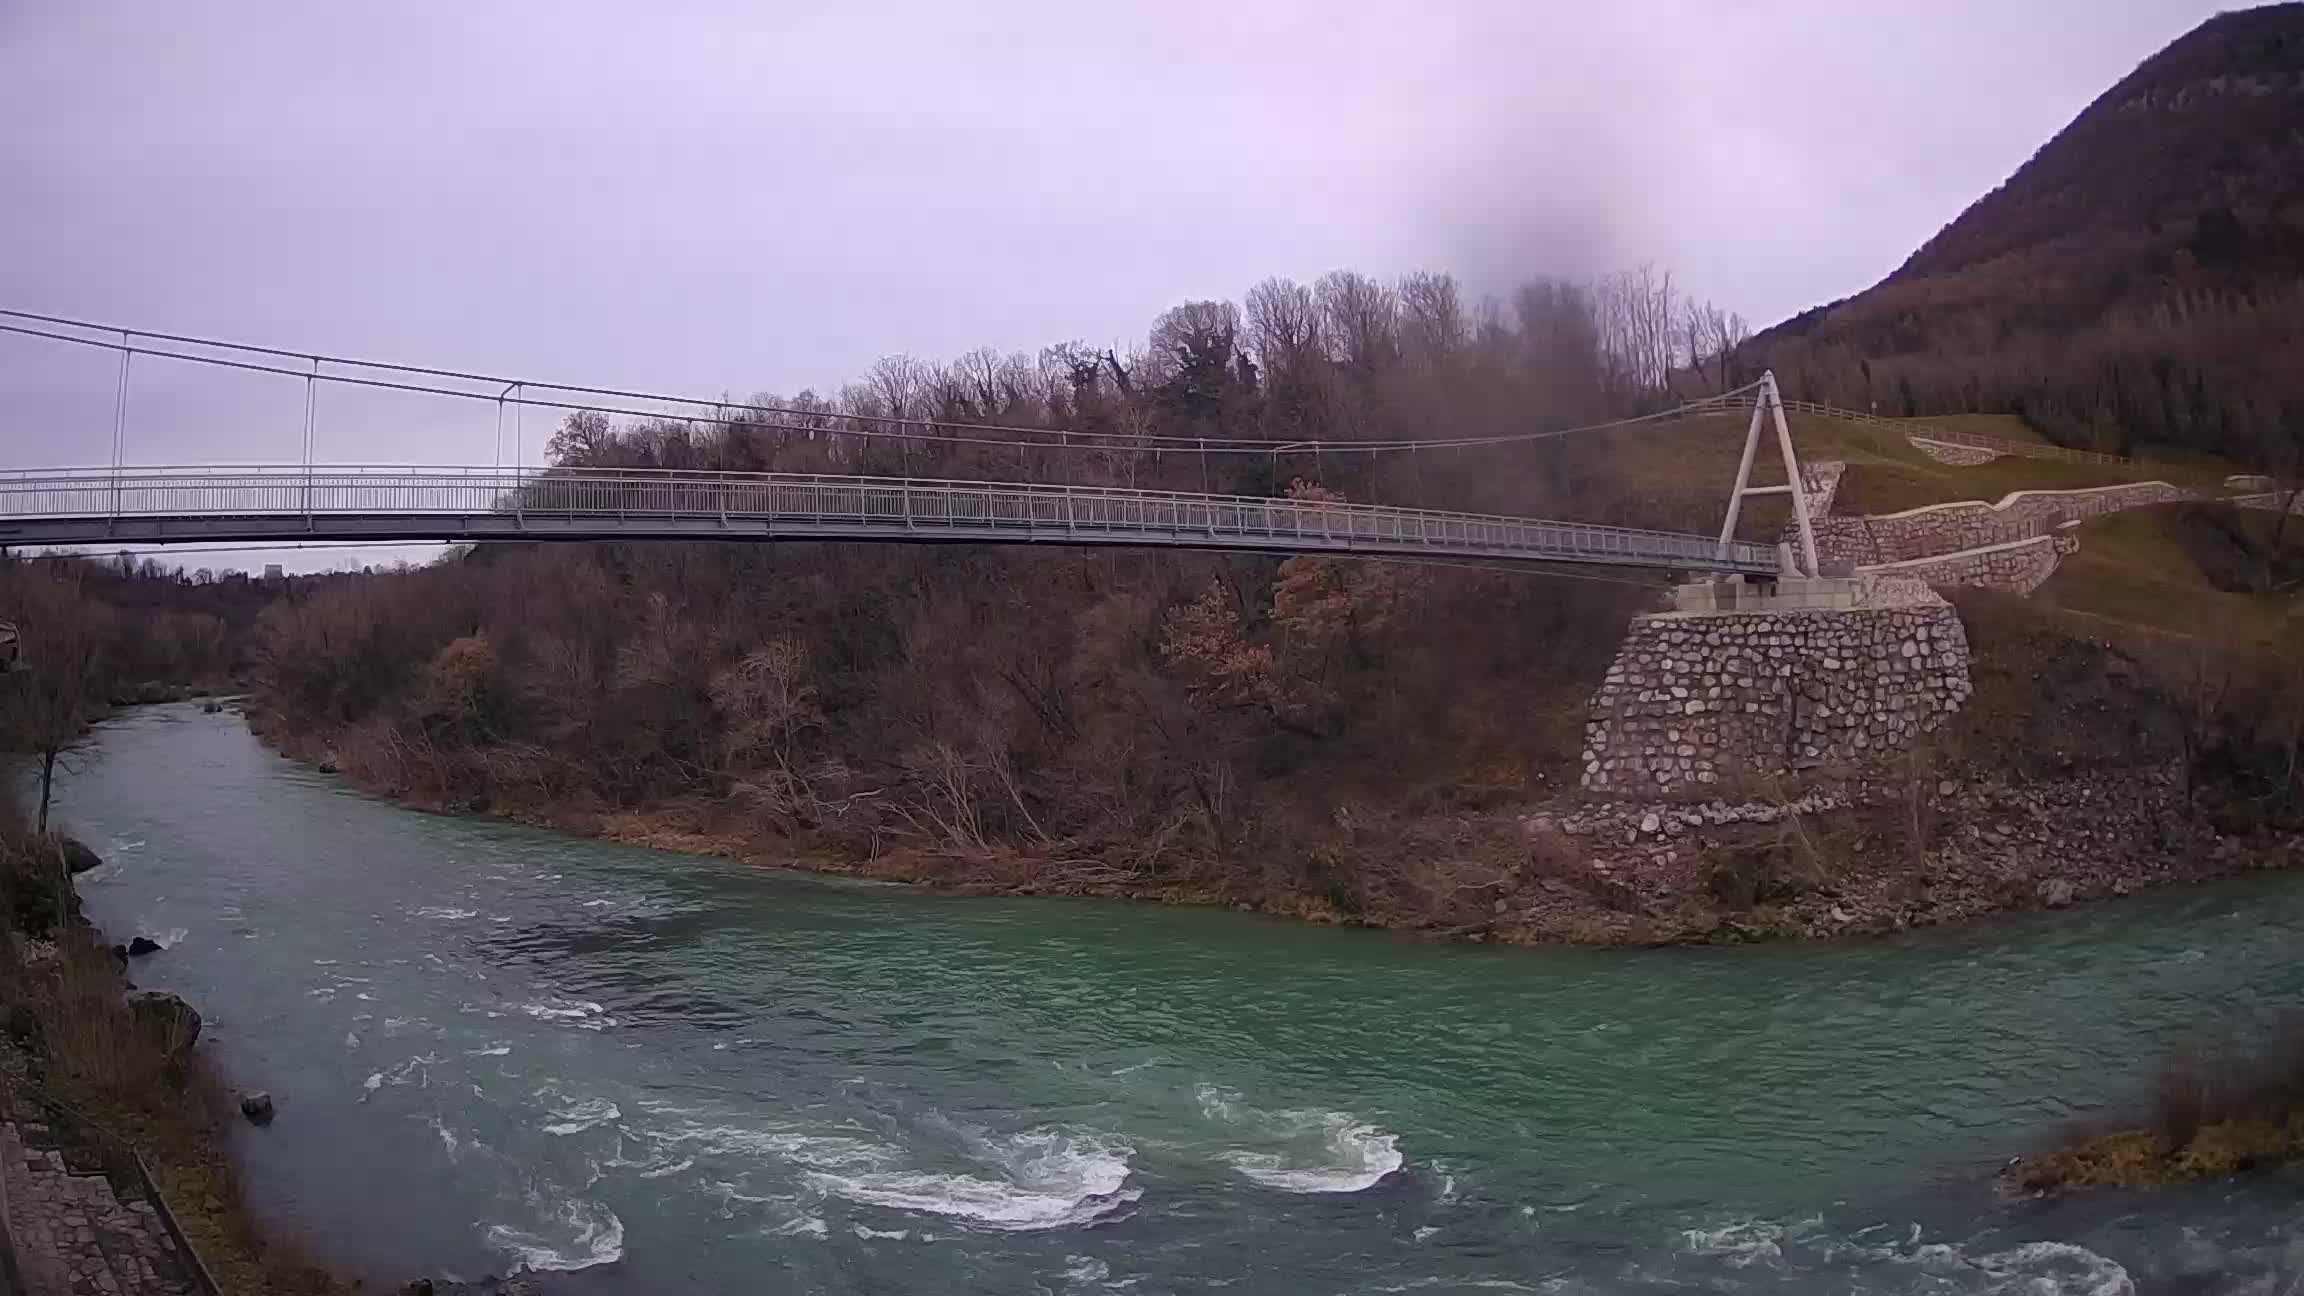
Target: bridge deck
160, 505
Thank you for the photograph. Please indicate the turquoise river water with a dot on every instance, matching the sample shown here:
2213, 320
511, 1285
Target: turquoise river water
641, 1072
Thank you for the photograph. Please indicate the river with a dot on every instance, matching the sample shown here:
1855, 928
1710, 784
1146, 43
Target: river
651, 1073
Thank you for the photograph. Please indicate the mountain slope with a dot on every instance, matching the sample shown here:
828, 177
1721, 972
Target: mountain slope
2138, 282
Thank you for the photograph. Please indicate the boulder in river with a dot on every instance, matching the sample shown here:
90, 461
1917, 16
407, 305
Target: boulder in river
2055, 893
256, 1105
144, 945
77, 857
174, 1022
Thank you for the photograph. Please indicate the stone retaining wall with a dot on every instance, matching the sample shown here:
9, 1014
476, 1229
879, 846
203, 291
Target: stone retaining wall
1963, 456
1946, 528
2018, 568
2272, 500
1822, 483
1694, 700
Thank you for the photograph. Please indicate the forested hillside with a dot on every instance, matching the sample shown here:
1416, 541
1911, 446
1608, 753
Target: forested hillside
1163, 719
2138, 284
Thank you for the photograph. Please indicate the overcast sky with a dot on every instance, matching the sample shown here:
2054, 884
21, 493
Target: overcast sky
726, 197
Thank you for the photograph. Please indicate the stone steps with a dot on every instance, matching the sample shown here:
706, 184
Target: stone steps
72, 1234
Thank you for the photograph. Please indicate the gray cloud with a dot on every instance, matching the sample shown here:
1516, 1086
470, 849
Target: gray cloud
732, 197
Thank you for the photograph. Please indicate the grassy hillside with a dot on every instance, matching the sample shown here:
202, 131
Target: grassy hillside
2187, 570
1677, 475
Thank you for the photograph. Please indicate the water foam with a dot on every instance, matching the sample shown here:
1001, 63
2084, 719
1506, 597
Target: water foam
1325, 1152
2055, 1269
1041, 1179
448, 912
835, 1152
417, 1068
1740, 1243
582, 1114
593, 1236
580, 1013
655, 1164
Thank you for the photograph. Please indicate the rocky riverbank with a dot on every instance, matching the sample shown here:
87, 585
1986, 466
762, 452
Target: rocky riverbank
100, 1078
1841, 859
1875, 857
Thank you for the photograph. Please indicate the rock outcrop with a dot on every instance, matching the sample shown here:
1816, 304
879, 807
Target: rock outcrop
174, 1023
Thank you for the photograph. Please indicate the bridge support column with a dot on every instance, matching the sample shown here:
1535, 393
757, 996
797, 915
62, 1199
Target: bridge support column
1768, 406
1746, 687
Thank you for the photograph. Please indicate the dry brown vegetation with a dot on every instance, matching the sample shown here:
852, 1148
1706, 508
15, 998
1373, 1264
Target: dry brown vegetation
2216, 1109
1139, 722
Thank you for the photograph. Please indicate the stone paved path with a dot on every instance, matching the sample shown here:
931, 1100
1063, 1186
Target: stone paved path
73, 1235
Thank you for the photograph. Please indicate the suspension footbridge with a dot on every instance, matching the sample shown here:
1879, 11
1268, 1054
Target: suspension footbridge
122, 503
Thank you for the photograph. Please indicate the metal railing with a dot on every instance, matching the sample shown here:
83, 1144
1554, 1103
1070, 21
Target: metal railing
150, 504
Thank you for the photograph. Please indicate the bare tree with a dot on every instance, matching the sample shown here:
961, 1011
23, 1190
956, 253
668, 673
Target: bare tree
1283, 323
1638, 312
582, 439
1710, 337
1434, 327
1360, 320
63, 673
766, 702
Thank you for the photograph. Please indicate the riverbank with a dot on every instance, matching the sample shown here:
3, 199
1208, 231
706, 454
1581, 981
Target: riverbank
679, 1074
94, 1071
2217, 1108
1843, 859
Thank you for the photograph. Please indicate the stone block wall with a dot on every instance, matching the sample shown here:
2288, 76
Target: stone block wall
2272, 500
1964, 456
1820, 482
2018, 568
1698, 699
1945, 528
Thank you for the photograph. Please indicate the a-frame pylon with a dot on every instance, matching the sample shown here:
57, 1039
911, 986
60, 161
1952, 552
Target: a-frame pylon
1767, 403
